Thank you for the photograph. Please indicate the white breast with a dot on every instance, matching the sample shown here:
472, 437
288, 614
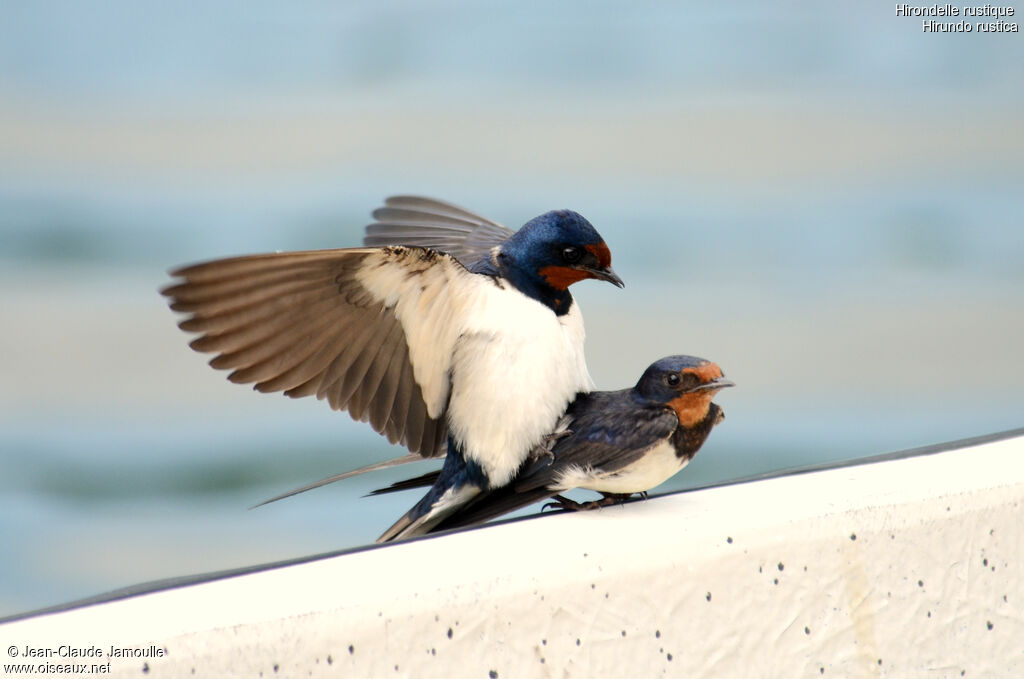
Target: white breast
658, 465
516, 367
504, 364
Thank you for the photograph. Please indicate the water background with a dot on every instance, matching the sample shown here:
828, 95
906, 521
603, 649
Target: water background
822, 199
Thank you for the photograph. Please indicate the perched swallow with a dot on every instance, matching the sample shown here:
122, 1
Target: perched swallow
474, 342
615, 442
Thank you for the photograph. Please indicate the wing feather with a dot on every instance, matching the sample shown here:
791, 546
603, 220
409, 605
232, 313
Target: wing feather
217, 323
263, 281
435, 206
381, 404
596, 439
353, 378
371, 331
307, 373
369, 387
431, 223
400, 407
232, 301
420, 217
332, 382
258, 340
278, 357
417, 424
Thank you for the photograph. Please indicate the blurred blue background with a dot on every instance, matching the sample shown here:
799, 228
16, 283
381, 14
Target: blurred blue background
821, 198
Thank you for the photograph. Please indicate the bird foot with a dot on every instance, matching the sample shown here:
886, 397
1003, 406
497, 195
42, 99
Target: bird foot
547, 444
562, 502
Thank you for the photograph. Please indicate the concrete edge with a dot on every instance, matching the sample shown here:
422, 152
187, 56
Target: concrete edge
165, 584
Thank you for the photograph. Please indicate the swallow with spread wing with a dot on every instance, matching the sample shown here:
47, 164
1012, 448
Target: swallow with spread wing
451, 334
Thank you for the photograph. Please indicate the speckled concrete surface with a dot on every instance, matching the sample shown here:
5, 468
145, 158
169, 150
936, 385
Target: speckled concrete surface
903, 568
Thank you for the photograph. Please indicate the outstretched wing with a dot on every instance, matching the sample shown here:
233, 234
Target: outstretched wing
370, 331
431, 223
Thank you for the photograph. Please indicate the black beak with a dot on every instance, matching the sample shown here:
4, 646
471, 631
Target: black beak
716, 384
604, 275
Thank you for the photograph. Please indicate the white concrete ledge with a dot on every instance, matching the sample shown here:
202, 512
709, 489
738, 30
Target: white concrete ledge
904, 567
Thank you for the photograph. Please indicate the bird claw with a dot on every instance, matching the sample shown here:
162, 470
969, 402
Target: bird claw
562, 502
559, 434
546, 446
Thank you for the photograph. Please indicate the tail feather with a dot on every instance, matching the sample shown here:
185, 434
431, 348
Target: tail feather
387, 464
491, 505
423, 481
398, 528
428, 512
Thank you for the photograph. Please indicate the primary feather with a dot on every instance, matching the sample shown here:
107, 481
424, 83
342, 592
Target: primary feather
435, 224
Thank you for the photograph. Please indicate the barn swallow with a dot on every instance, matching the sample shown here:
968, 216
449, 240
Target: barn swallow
452, 335
614, 442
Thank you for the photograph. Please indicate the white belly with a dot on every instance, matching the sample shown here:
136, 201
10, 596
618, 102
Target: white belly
657, 466
515, 369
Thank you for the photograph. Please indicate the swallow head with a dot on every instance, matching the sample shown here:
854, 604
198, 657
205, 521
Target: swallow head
686, 384
559, 248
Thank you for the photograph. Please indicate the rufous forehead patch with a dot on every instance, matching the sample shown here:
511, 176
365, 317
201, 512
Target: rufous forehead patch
706, 371
601, 251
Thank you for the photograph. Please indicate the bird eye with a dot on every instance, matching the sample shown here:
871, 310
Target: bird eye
672, 379
571, 254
